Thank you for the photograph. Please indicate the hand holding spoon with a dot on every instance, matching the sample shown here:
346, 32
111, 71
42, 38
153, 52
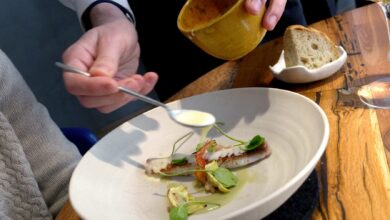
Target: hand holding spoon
186, 117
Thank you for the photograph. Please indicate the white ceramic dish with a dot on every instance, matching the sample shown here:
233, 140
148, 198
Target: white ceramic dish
110, 183
301, 74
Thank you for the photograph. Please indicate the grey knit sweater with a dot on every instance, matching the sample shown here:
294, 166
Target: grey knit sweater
36, 160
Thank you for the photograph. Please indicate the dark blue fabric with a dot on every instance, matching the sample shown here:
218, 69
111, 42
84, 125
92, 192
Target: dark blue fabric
83, 138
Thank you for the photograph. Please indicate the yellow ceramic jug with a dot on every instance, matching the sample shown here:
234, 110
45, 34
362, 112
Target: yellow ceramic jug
222, 28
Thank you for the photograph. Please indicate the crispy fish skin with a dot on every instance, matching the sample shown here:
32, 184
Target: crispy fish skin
229, 162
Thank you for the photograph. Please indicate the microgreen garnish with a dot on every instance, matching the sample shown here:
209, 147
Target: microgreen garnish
220, 177
182, 211
204, 131
186, 137
178, 213
254, 143
179, 161
228, 136
225, 177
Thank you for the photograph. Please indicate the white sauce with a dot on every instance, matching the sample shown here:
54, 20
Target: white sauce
195, 118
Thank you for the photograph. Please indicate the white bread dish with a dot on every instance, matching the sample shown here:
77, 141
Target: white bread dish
308, 55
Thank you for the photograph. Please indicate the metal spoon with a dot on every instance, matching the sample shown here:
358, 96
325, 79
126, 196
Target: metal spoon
186, 117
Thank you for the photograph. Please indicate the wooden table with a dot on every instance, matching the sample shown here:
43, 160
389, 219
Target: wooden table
354, 171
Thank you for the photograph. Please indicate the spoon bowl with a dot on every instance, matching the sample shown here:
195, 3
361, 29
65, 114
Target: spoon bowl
193, 117
186, 117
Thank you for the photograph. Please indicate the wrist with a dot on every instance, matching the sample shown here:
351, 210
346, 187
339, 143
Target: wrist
104, 13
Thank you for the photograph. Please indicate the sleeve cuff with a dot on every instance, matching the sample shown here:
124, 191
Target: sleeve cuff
83, 9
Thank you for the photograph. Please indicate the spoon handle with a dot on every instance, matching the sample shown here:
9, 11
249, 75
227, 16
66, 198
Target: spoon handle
122, 89
71, 69
142, 97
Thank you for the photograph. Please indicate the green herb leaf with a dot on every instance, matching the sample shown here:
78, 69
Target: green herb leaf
254, 143
198, 146
179, 161
178, 213
225, 177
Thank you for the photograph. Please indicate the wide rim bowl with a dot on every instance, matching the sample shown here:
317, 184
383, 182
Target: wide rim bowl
109, 181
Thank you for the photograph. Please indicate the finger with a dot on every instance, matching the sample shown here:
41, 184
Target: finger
111, 99
253, 6
151, 79
107, 61
134, 83
106, 104
89, 86
81, 53
273, 14
113, 107
101, 101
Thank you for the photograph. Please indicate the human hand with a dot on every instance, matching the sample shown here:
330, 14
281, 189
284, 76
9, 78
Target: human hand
110, 53
273, 13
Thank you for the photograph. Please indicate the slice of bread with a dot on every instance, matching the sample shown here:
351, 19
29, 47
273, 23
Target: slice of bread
308, 46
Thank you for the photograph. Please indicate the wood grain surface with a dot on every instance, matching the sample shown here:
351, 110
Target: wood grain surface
354, 171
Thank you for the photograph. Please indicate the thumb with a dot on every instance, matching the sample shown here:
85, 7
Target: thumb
107, 59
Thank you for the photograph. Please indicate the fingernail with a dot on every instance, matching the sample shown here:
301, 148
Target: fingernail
272, 21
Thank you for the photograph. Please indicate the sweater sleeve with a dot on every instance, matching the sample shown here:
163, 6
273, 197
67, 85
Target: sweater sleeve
51, 156
80, 6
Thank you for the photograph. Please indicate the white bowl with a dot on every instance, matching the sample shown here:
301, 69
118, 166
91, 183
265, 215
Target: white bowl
110, 182
301, 74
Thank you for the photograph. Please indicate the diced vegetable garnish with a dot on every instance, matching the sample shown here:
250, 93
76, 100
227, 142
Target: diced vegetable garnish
177, 195
182, 203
